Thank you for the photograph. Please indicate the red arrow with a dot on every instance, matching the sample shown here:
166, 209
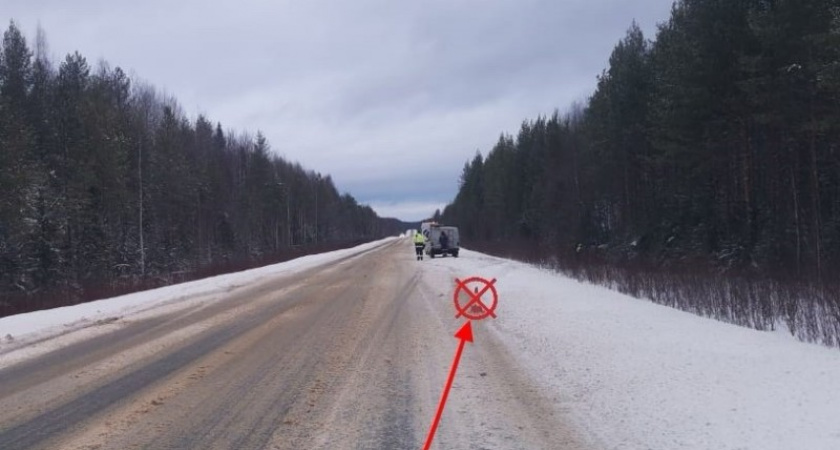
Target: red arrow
464, 334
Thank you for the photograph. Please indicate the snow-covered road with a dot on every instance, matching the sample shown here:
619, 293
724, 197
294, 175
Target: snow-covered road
624, 373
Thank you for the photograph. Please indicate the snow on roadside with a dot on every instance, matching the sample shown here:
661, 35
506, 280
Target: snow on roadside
23, 329
636, 375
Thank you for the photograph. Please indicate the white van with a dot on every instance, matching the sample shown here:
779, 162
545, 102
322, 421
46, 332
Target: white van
433, 245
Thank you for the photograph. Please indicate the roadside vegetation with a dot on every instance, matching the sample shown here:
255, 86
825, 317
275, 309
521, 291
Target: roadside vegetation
703, 172
107, 187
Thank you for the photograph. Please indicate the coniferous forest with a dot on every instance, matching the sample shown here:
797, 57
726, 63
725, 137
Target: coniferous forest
105, 184
703, 172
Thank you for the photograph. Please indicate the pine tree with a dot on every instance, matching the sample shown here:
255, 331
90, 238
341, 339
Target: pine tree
19, 183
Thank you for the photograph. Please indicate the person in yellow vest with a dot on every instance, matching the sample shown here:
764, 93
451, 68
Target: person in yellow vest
419, 244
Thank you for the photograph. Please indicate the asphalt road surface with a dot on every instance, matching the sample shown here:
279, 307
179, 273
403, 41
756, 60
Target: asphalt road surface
350, 355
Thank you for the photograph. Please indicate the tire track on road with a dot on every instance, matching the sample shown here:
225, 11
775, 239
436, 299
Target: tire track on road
31, 431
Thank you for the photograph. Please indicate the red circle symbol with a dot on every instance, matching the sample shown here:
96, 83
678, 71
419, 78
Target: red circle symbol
475, 308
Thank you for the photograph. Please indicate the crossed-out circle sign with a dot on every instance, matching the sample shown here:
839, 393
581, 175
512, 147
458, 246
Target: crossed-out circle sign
475, 308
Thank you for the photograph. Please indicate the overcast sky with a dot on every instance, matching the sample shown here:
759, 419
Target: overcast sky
390, 97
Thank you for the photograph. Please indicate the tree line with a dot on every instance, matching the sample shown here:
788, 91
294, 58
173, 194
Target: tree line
107, 181
714, 147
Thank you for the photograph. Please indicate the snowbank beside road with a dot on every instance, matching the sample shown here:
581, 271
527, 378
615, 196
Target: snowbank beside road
637, 375
22, 329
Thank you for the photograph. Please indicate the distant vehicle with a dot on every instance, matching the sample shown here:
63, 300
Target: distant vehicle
433, 245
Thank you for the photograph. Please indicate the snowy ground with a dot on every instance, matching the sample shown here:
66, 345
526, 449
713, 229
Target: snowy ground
631, 374
636, 375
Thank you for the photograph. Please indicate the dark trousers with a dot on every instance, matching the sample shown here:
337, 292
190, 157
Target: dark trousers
419, 249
